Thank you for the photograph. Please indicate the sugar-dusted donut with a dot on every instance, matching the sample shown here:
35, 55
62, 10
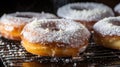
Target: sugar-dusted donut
107, 32
117, 9
88, 13
55, 37
12, 24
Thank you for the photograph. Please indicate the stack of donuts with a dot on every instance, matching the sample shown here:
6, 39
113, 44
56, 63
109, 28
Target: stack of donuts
45, 34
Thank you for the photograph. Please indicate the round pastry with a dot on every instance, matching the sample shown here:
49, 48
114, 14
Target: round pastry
107, 32
12, 24
88, 13
55, 37
117, 9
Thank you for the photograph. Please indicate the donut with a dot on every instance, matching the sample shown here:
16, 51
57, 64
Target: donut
107, 32
88, 13
55, 37
12, 24
117, 9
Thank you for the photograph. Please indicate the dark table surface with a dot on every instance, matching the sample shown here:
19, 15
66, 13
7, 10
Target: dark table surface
1, 64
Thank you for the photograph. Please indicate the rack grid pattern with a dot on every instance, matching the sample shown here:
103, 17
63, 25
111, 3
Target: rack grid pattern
14, 55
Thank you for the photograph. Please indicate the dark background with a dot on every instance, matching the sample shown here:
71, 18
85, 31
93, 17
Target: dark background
9, 6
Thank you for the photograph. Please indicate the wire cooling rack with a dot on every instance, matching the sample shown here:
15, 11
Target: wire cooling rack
14, 55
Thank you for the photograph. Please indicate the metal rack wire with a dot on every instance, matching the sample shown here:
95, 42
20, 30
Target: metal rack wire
14, 55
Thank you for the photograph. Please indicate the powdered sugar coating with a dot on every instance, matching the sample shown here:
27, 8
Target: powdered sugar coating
63, 31
41, 15
106, 26
89, 11
19, 19
8, 19
117, 8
